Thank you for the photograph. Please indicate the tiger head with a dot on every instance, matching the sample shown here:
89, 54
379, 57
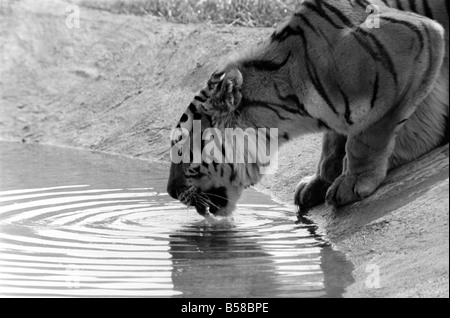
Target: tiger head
208, 184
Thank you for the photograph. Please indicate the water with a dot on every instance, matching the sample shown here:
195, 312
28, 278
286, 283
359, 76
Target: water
76, 223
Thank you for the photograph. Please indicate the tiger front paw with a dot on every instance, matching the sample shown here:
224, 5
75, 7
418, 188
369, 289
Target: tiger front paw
352, 188
310, 192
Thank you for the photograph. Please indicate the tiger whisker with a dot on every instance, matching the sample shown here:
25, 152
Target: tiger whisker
206, 199
201, 201
219, 196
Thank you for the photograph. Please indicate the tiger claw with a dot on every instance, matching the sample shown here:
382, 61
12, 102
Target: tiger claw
309, 193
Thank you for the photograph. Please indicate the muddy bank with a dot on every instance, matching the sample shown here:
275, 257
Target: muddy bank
119, 83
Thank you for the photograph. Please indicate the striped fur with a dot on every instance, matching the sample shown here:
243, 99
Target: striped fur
381, 92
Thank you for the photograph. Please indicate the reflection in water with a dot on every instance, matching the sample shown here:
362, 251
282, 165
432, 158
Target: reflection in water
230, 266
277, 259
75, 223
336, 268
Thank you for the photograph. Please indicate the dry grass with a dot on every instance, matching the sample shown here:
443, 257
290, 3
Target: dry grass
250, 13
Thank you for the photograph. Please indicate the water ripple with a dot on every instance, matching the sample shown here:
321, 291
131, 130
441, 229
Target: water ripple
77, 240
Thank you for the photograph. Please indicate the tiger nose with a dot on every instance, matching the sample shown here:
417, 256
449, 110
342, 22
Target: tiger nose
172, 190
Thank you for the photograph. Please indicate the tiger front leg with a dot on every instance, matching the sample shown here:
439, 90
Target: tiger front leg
366, 163
311, 190
393, 92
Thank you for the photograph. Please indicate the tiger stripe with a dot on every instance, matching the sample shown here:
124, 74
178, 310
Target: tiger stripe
252, 103
200, 99
412, 6
319, 86
307, 22
375, 91
292, 99
348, 112
430, 56
322, 124
363, 3
399, 4
312, 73
192, 108
269, 66
409, 25
427, 10
322, 14
424, 7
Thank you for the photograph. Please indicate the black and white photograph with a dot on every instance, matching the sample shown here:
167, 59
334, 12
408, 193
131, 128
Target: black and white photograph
224, 155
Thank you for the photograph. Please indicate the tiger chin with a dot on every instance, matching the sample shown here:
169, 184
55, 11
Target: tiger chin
378, 94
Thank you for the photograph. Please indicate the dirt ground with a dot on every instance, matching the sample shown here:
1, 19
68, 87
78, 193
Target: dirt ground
118, 84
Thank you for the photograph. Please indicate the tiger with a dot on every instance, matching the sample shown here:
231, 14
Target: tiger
370, 75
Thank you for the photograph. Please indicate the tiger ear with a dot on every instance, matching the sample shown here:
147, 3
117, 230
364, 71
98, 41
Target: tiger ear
229, 94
